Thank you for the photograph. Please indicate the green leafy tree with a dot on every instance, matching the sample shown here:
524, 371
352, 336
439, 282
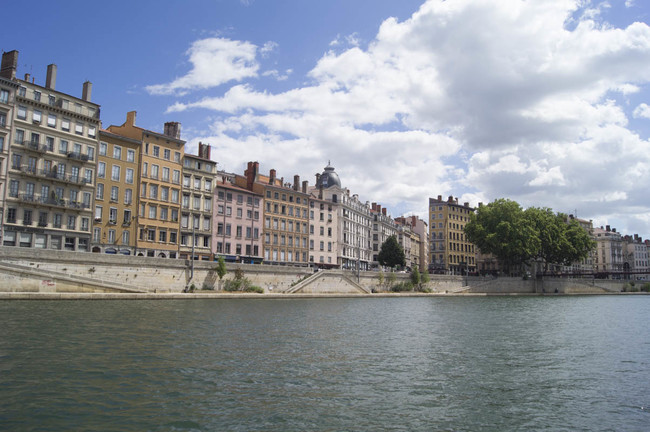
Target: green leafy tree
221, 268
500, 228
416, 279
424, 276
391, 253
381, 278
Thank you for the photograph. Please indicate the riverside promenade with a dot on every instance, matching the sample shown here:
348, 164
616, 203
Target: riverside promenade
46, 274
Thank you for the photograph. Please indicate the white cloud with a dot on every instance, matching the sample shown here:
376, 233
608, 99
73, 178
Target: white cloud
215, 61
478, 98
642, 111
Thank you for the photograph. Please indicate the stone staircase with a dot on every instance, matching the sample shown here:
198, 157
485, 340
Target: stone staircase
328, 282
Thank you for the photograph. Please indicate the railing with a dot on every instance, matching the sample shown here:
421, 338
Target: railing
35, 146
78, 156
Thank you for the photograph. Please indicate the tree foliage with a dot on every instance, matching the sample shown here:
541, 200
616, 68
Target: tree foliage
391, 253
221, 267
516, 236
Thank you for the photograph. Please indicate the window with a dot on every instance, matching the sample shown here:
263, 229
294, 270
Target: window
117, 152
72, 221
111, 236
22, 112
156, 151
177, 157
79, 128
153, 191
164, 193
114, 193
164, 213
125, 237
63, 147
101, 170
128, 196
92, 131
115, 173
129, 175
90, 151
36, 116
37, 96
65, 125
176, 175
165, 174
4, 96
197, 183
166, 154
186, 181
51, 120
84, 224
152, 212
100, 191
3, 119
208, 185
154, 171
88, 175
97, 233
130, 155
175, 195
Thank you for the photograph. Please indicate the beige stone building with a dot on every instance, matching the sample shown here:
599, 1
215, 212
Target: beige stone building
323, 231
8, 89
197, 202
608, 260
52, 162
383, 226
285, 215
420, 235
450, 250
116, 194
159, 206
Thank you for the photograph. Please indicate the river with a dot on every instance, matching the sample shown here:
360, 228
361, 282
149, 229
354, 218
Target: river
358, 364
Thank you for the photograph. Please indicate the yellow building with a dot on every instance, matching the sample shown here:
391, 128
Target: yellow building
449, 248
159, 189
116, 194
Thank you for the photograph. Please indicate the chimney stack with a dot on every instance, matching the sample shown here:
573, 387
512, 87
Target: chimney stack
305, 183
439, 198
87, 91
28, 77
251, 174
9, 65
50, 78
130, 118
272, 176
296, 182
173, 130
383, 211
204, 150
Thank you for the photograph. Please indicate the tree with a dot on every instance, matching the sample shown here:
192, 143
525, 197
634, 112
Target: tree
499, 228
391, 253
221, 268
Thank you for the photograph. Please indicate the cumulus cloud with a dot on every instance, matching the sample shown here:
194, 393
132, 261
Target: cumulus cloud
215, 61
642, 111
478, 98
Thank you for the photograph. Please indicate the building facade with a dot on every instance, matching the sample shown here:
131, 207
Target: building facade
197, 204
635, 258
52, 162
450, 251
323, 232
159, 189
8, 89
383, 226
116, 194
608, 260
420, 229
285, 215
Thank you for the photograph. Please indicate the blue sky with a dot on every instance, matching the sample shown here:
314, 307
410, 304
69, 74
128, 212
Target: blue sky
545, 102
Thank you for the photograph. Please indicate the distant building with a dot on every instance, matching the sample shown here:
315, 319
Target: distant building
116, 194
159, 186
450, 251
586, 265
199, 178
609, 251
285, 215
383, 227
237, 231
635, 258
49, 182
419, 241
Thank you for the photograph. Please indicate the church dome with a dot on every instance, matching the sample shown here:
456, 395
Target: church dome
328, 178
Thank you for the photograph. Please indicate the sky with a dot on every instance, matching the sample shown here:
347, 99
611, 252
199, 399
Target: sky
543, 102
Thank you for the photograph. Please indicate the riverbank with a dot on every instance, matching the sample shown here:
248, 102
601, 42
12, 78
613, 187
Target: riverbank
204, 296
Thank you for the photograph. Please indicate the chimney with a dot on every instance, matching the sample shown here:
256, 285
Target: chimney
28, 77
50, 78
383, 211
378, 208
87, 90
305, 183
173, 130
272, 176
204, 150
613, 229
9, 65
607, 228
318, 179
251, 174
374, 206
130, 118
296, 182
466, 204
439, 198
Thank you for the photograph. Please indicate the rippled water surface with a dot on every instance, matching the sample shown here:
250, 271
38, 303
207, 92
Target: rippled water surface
364, 364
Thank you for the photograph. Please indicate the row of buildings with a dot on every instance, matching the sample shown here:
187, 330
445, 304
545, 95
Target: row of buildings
67, 183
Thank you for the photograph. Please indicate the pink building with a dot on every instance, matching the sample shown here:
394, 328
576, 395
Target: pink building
237, 229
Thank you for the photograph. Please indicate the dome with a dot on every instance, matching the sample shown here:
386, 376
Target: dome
328, 178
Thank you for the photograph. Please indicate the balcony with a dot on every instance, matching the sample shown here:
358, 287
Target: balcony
78, 156
35, 146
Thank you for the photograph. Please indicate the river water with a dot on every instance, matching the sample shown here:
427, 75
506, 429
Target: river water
362, 364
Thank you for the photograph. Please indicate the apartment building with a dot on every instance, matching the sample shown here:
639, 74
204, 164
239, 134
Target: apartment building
635, 258
285, 215
238, 229
116, 194
8, 89
199, 174
420, 229
160, 167
323, 232
383, 226
52, 155
449, 249
608, 259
